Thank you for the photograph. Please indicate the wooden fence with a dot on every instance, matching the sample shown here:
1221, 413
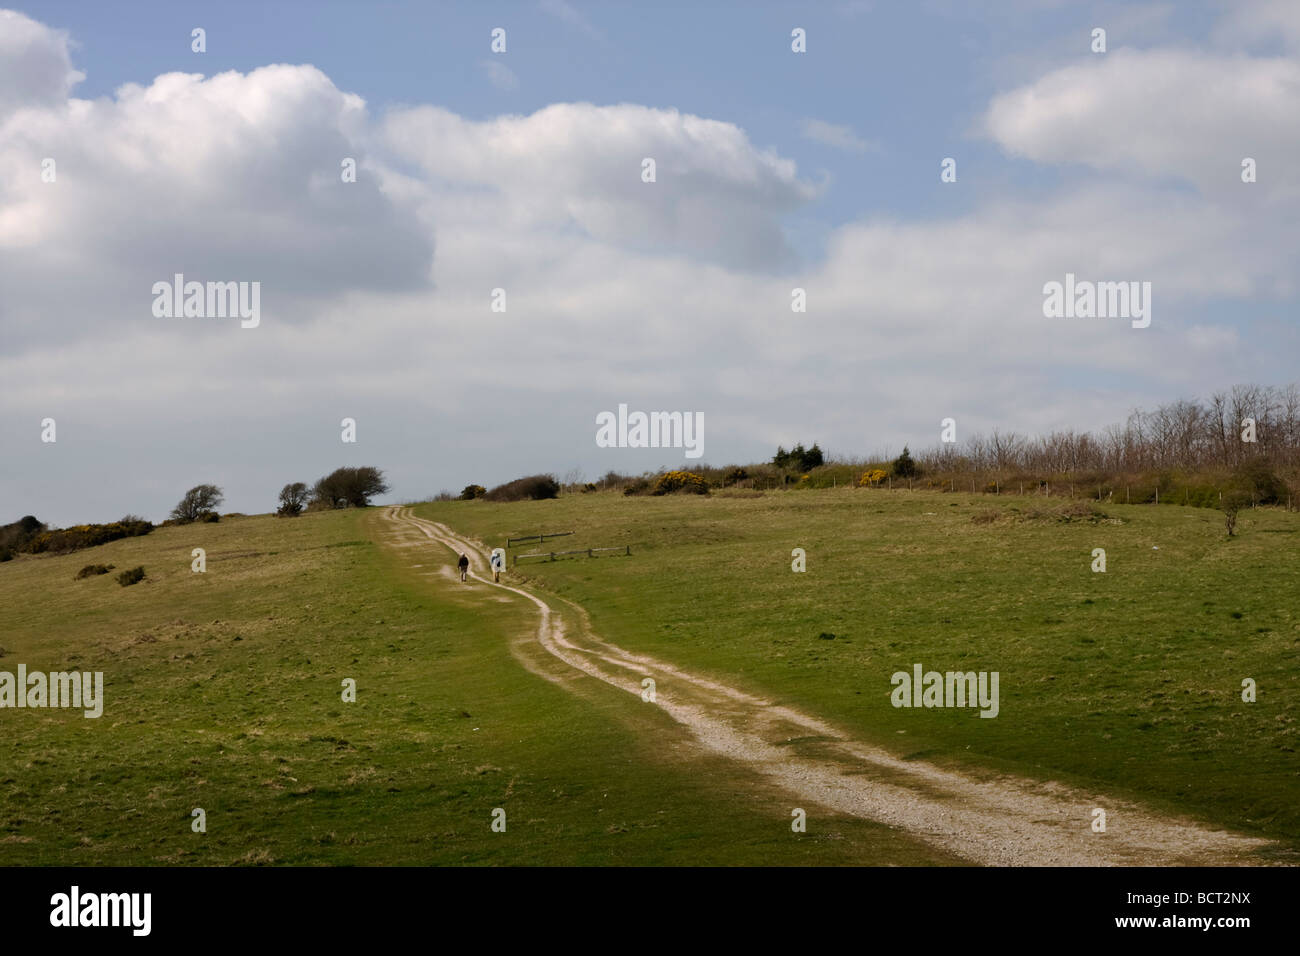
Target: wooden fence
589, 552
541, 538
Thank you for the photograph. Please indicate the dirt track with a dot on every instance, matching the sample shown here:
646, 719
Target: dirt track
998, 820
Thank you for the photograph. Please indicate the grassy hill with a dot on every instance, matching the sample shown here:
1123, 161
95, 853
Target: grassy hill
223, 691
1129, 680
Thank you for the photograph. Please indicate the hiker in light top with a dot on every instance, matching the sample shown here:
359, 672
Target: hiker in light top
464, 565
498, 559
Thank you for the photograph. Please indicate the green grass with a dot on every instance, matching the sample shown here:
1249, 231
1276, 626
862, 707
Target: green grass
223, 691
1129, 680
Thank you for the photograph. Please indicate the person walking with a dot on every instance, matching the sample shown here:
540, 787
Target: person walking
464, 565
498, 561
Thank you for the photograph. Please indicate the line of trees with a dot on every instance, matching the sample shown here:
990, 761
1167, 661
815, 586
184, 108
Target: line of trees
341, 488
1249, 421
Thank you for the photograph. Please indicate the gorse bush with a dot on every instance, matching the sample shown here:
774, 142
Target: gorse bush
872, 478
133, 576
530, 488
733, 475
470, 492
636, 486
14, 537
91, 570
680, 481
86, 536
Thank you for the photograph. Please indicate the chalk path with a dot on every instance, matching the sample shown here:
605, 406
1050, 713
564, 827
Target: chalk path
1000, 820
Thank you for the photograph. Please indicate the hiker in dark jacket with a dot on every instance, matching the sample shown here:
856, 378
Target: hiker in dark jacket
464, 565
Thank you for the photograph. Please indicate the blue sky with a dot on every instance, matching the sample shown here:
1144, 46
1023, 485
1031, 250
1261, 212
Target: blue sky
480, 170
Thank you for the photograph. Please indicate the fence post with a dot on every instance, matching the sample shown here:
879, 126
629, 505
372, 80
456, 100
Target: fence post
629, 550
1126, 501
552, 555
589, 552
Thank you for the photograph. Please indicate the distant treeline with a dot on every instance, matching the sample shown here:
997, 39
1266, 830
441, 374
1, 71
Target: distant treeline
341, 488
1245, 441
1248, 422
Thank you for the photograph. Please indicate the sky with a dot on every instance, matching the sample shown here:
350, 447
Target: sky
126, 157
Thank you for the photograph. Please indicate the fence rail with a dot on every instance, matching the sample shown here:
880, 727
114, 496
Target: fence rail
589, 552
541, 537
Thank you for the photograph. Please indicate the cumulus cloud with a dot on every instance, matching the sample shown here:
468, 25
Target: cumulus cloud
577, 165
1173, 114
230, 177
35, 69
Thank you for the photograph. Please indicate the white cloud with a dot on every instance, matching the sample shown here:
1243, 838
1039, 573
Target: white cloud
232, 177
1173, 114
578, 165
500, 75
1264, 22
35, 69
838, 137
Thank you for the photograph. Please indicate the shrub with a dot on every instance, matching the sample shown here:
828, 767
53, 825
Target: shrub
209, 517
733, 475
197, 501
86, 536
683, 481
905, 466
1257, 479
14, 537
133, 576
1233, 502
798, 457
92, 569
348, 487
589, 486
530, 488
636, 486
293, 498
872, 478
471, 492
